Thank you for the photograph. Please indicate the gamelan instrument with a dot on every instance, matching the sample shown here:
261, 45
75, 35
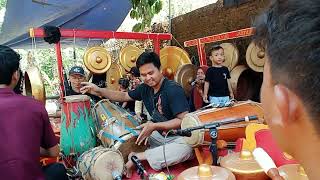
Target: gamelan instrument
243, 166
97, 60
172, 58
128, 57
229, 132
255, 57
100, 163
33, 84
185, 75
113, 76
77, 126
231, 54
116, 128
206, 172
293, 172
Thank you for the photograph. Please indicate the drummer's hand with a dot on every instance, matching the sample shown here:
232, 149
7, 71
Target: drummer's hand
147, 129
90, 88
205, 98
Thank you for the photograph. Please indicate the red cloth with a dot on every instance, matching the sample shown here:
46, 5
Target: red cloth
265, 140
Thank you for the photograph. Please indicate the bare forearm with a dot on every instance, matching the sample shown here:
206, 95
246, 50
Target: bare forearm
172, 124
114, 95
206, 88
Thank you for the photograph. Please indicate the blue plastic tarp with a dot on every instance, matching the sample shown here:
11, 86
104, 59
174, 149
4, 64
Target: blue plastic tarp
21, 15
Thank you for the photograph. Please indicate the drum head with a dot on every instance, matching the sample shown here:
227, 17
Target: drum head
107, 163
76, 98
192, 120
128, 146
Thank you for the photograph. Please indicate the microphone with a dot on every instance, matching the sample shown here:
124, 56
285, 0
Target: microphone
139, 166
193, 82
116, 175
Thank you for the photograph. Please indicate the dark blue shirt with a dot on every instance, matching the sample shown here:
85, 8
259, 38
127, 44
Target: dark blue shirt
169, 101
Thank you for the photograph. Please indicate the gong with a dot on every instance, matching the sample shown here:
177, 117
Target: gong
97, 60
185, 75
231, 54
113, 75
33, 84
128, 57
255, 57
172, 58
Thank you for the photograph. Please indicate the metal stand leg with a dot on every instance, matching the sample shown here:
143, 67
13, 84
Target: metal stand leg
213, 145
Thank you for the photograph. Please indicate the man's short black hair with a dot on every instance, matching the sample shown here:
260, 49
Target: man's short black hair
148, 57
9, 63
290, 31
135, 72
124, 83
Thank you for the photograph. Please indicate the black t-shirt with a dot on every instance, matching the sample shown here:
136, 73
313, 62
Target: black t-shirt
217, 78
170, 100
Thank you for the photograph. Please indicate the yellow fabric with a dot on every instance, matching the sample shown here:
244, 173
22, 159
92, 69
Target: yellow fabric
250, 142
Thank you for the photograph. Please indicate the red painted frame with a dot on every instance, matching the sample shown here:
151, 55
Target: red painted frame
200, 42
78, 33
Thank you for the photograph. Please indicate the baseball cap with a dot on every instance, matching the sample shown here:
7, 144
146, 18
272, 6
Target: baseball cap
77, 70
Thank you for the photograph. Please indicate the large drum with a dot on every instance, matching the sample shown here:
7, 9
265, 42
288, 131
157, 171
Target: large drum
77, 127
116, 128
229, 132
100, 164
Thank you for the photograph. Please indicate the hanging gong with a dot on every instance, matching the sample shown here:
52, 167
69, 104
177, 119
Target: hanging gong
185, 75
255, 57
231, 54
97, 60
128, 56
113, 76
33, 84
172, 58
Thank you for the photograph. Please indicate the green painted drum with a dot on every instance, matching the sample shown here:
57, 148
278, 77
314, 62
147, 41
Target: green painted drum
77, 127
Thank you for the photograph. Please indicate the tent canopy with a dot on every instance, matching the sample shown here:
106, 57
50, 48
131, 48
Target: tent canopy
21, 15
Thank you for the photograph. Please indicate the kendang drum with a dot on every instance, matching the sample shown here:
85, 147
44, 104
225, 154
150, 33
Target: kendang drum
230, 132
77, 127
116, 128
100, 163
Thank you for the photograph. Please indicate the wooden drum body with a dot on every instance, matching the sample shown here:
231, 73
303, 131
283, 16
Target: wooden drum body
77, 126
229, 132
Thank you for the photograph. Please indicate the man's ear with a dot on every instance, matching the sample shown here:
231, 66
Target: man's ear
286, 103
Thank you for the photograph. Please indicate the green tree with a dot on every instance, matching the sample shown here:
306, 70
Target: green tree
144, 11
3, 4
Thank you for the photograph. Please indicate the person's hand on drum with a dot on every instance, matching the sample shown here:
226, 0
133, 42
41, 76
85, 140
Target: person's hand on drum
147, 129
90, 88
205, 98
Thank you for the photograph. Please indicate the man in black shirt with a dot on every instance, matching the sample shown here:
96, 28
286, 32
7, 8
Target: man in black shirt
166, 103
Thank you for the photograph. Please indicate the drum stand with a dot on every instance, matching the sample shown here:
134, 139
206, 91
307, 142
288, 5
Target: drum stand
213, 146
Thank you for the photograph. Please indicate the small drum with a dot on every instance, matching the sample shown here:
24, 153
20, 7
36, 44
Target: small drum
77, 127
100, 163
116, 128
229, 132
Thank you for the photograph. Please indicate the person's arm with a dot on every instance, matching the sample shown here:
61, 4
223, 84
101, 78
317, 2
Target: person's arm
124, 104
138, 108
230, 89
50, 152
49, 142
205, 92
105, 92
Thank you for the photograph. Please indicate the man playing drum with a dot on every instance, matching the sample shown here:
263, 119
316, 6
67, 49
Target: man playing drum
166, 103
26, 132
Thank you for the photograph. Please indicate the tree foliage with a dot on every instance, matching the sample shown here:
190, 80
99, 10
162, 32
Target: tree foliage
144, 11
